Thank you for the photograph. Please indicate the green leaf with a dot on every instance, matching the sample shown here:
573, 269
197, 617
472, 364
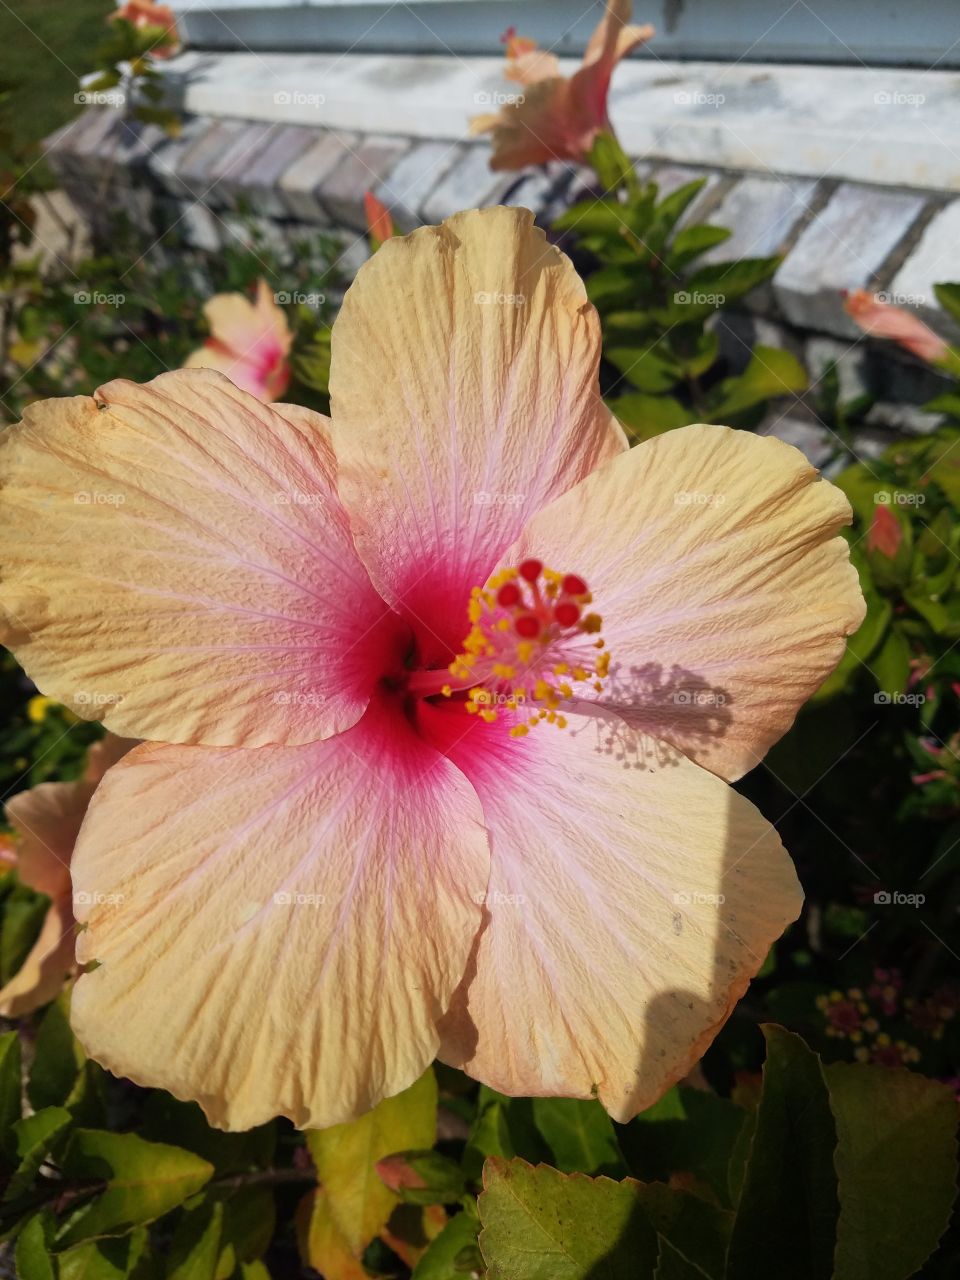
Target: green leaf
948, 295
788, 1206
250, 1216
692, 241
195, 1247
32, 1257
422, 1177
144, 1180
770, 372
10, 1088
438, 1262
691, 1230
103, 1259
897, 1166
580, 1136
36, 1137
705, 351
57, 1060
891, 664
673, 206
647, 416
733, 279
23, 914
184, 1124
345, 1156
603, 215
540, 1224
611, 163
645, 368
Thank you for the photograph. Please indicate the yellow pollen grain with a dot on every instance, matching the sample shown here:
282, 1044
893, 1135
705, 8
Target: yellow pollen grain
488, 716
591, 623
519, 731
503, 671
447, 691
561, 669
579, 673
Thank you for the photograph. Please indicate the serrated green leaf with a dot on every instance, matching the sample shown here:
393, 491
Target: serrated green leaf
144, 1180
788, 1207
540, 1224
580, 1136
345, 1156
897, 1167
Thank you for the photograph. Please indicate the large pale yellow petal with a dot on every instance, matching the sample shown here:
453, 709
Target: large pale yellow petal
175, 561
632, 897
725, 592
278, 930
464, 393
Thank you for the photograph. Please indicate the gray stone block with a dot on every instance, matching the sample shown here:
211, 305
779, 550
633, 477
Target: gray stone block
844, 247
763, 215
198, 166
469, 184
413, 178
257, 182
164, 163
241, 151
299, 184
935, 259
362, 169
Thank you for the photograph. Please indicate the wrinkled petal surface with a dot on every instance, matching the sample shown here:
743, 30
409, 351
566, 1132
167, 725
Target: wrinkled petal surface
725, 594
175, 561
464, 397
632, 897
278, 930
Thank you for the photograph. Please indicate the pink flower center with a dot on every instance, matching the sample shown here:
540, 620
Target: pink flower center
530, 642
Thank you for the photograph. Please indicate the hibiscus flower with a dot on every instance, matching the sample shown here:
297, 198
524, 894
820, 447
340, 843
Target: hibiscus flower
249, 342
47, 819
883, 320
144, 14
556, 118
444, 695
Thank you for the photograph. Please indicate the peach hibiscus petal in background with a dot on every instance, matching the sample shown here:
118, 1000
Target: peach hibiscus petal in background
883, 320
558, 118
142, 14
278, 931
632, 897
249, 343
461, 402
47, 820
726, 592
175, 561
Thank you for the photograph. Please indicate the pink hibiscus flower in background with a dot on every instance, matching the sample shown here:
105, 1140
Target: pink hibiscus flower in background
47, 820
249, 342
557, 118
143, 14
883, 320
444, 695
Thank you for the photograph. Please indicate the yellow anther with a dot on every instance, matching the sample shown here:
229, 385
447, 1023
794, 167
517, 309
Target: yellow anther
579, 673
519, 731
524, 651
503, 671
447, 691
561, 669
489, 716
591, 623
603, 665
561, 722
